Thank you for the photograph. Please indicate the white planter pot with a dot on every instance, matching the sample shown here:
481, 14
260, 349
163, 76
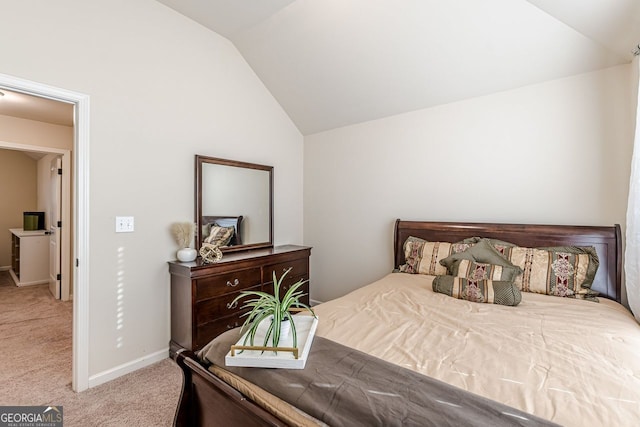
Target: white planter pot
186, 254
285, 328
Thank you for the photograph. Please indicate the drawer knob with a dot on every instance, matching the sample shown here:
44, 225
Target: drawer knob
232, 305
235, 283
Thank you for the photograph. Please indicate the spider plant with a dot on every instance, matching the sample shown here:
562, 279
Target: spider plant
265, 305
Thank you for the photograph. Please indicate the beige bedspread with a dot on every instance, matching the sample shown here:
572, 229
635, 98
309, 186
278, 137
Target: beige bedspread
574, 362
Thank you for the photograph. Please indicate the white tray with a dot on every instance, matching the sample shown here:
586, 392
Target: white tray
305, 328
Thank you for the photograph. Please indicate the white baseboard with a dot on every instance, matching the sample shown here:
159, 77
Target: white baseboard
315, 302
126, 368
5, 267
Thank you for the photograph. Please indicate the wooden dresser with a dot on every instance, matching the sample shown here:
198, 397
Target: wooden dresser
29, 257
202, 294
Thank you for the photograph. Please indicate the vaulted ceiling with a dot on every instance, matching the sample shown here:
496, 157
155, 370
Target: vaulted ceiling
332, 63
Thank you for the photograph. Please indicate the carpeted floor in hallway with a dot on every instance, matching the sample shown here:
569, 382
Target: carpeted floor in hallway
35, 355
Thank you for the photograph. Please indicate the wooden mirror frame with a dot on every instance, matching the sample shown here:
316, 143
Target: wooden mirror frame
200, 160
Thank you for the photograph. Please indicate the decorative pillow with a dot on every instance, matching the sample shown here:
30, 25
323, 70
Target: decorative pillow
494, 242
486, 291
229, 222
219, 236
473, 270
422, 257
559, 271
482, 252
564, 271
206, 230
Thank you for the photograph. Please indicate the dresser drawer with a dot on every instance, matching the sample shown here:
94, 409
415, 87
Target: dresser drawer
299, 267
222, 306
205, 333
287, 284
221, 284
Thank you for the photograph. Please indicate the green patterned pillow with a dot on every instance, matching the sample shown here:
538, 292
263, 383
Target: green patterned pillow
564, 271
473, 270
481, 251
559, 272
484, 291
423, 257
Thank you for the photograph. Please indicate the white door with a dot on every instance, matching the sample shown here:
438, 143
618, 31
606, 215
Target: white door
55, 212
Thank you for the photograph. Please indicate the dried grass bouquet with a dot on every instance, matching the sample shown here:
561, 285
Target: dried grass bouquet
183, 233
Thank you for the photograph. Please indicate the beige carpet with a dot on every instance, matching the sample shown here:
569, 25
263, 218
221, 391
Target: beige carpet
35, 360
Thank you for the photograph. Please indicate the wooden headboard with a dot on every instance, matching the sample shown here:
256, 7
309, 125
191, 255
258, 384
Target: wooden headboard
606, 240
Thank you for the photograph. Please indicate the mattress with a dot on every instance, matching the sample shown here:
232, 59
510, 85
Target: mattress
570, 361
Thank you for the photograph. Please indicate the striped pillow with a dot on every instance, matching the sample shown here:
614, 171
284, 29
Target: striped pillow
474, 270
423, 257
219, 236
564, 271
554, 272
484, 291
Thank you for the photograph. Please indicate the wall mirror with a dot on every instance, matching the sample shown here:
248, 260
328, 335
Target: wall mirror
234, 194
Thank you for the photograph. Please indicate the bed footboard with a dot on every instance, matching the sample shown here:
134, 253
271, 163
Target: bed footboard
208, 401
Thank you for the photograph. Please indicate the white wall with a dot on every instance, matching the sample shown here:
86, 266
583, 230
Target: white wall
31, 132
557, 152
162, 88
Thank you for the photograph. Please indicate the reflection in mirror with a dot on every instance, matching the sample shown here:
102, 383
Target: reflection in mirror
233, 203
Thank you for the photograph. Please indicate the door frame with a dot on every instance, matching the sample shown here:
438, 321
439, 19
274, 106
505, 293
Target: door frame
80, 215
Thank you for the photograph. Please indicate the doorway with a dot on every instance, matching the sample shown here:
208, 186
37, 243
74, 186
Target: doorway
49, 189
78, 260
63, 235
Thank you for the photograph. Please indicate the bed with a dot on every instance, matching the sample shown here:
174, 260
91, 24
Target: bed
565, 360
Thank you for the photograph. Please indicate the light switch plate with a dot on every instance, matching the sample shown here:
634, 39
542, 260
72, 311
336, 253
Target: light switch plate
124, 224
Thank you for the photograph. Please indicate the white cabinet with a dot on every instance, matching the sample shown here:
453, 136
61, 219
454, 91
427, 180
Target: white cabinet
29, 257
